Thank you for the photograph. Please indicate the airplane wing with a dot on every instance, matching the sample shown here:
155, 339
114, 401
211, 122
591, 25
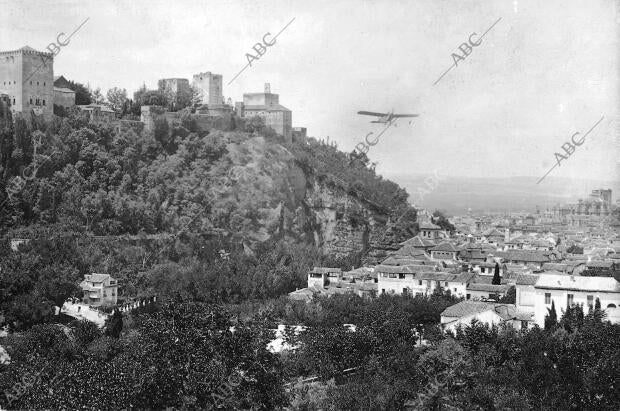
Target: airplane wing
404, 115
370, 113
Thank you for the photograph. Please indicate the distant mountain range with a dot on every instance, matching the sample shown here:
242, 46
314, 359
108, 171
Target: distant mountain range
456, 195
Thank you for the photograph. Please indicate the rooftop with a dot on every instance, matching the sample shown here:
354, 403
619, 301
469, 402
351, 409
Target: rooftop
469, 307
566, 282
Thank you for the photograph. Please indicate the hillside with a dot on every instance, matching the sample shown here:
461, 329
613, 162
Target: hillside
243, 186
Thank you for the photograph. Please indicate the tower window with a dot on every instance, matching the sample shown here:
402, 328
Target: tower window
43, 102
31, 101
37, 83
31, 82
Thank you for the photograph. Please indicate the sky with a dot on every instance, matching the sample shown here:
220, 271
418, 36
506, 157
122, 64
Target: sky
545, 71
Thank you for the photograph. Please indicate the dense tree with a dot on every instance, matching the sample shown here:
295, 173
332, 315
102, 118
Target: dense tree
82, 94
440, 219
214, 366
117, 99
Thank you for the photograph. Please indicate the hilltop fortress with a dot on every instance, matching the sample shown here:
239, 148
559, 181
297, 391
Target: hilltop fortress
28, 86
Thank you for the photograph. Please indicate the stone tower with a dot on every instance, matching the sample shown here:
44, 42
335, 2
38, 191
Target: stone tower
27, 77
211, 87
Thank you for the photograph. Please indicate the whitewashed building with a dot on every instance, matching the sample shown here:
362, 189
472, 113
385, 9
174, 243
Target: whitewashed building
419, 280
565, 290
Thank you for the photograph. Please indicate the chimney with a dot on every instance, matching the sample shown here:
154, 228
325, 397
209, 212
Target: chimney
267, 88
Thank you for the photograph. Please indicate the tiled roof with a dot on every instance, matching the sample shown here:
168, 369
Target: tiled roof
524, 255
410, 251
397, 260
96, 278
555, 266
445, 247
527, 279
566, 282
469, 307
402, 269
325, 270
429, 226
418, 242
486, 287
600, 264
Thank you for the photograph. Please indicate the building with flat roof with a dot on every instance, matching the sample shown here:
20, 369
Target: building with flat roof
267, 105
567, 290
27, 77
210, 86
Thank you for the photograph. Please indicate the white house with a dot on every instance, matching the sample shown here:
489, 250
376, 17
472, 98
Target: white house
567, 290
462, 314
419, 280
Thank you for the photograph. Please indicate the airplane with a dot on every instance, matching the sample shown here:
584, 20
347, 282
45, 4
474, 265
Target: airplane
385, 117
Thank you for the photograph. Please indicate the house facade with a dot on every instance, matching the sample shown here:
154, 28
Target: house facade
99, 290
419, 280
565, 290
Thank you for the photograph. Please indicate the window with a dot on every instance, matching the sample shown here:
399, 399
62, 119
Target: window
420, 282
404, 290
454, 289
37, 83
30, 100
547, 298
482, 269
401, 276
43, 102
523, 324
569, 299
392, 275
383, 291
468, 296
44, 83
590, 301
446, 283
31, 82
13, 101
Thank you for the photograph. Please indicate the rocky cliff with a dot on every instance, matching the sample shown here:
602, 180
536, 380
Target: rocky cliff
262, 192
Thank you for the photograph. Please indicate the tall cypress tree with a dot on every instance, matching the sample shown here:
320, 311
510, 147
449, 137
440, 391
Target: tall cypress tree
551, 319
497, 280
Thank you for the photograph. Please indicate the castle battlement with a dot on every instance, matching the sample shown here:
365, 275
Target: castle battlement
26, 50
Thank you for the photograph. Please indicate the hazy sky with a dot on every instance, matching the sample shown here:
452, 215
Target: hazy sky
545, 71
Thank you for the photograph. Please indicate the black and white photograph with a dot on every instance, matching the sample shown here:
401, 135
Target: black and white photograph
310, 205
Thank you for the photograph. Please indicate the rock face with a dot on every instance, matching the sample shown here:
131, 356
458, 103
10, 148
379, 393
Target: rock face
271, 196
